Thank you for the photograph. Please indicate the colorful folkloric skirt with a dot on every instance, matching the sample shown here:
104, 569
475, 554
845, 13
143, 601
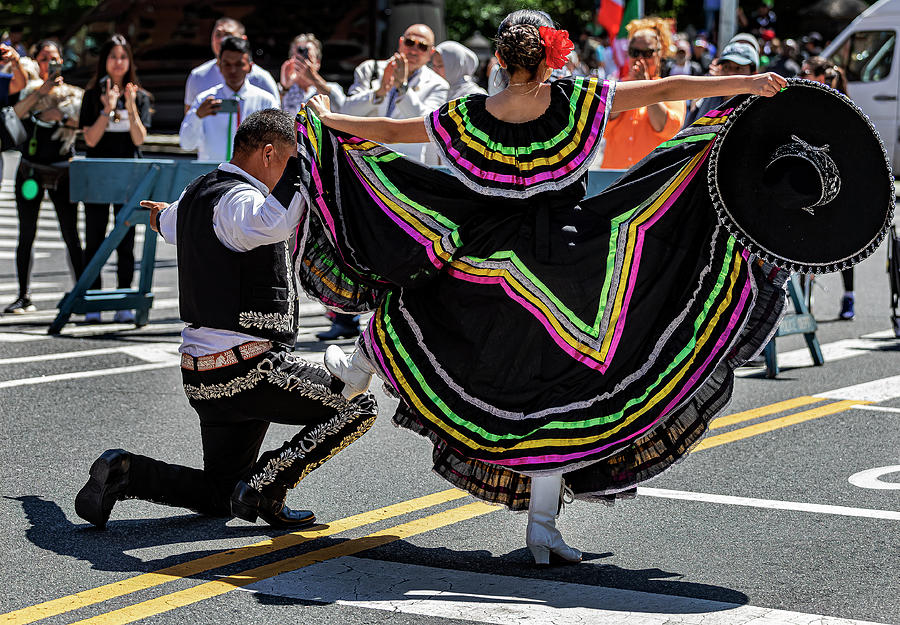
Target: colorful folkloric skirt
594, 337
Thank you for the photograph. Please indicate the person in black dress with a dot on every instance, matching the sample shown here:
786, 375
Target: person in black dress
115, 115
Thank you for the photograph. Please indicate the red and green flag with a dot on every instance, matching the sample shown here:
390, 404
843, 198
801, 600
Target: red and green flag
614, 15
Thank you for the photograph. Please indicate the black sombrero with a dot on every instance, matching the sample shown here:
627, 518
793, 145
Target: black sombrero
802, 179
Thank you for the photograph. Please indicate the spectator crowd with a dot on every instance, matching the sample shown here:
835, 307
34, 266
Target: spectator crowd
114, 112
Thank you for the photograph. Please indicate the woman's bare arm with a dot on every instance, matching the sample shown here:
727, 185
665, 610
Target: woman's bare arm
637, 93
381, 129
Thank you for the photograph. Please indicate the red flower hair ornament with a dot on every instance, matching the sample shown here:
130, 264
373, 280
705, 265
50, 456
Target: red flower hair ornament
557, 46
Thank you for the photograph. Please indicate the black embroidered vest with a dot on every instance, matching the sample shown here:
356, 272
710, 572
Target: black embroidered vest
249, 292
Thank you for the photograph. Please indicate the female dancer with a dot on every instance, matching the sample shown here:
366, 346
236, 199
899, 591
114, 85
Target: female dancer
529, 333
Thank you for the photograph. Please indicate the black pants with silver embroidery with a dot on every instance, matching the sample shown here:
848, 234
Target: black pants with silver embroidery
236, 404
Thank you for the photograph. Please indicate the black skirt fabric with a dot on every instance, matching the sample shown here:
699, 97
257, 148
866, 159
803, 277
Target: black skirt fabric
532, 333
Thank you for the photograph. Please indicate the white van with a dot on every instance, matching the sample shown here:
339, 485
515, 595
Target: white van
867, 50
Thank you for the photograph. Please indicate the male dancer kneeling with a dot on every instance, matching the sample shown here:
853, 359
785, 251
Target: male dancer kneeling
237, 296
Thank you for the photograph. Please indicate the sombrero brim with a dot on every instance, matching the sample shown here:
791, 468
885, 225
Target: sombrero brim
833, 236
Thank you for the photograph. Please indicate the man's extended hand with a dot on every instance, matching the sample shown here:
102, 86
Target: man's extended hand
155, 208
210, 106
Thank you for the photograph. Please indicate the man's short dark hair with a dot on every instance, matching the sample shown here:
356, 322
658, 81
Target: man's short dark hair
266, 126
236, 44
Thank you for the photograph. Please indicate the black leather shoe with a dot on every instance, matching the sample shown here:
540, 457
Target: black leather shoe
338, 331
107, 484
247, 503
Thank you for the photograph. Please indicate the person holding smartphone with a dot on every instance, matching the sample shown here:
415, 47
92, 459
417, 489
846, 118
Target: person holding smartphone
300, 78
215, 114
632, 135
44, 166
115, 115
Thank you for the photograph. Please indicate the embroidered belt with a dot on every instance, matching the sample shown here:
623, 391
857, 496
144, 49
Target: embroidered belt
229, 357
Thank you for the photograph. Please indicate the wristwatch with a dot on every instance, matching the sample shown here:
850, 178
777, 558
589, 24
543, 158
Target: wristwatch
402, 89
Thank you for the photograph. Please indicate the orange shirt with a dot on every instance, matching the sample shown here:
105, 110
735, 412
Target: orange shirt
630, 137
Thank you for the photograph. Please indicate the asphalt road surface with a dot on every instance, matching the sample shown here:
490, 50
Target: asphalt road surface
788, 512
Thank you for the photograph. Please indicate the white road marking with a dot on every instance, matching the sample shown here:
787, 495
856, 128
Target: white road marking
77, 375
874, 391
876, 408
773, 504
506, 600
870, 478
837, 350
151, 352
38, 244
13, 287
12, 255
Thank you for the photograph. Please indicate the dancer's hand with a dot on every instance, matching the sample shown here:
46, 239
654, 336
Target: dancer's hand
321, 106
155, 208
767, 84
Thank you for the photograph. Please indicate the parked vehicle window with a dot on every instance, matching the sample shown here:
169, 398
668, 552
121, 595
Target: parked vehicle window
867, 56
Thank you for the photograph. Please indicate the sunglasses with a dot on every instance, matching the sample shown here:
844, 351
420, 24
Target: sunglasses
808, 72
412, 43
643, 54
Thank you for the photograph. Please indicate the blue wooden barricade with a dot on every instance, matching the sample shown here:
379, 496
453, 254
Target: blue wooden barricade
126, 182
800, 321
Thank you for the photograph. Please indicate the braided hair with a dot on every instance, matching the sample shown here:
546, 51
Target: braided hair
519, 42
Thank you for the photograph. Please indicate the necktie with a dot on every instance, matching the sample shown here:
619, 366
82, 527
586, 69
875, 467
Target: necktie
392, 101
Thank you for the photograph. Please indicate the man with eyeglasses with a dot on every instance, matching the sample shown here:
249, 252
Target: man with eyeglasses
400, 87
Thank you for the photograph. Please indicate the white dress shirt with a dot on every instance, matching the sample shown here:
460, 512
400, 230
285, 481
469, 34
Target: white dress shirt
426, 92
209, 136
245, 217
209, 75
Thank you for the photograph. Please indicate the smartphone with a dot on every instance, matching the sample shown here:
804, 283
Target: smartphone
228, 106
54, 69
302, 53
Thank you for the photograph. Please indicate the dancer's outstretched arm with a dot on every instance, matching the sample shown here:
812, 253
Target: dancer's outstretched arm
381, 129
634, 94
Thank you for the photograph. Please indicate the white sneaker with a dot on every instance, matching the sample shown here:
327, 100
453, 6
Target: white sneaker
92, 317
355, 372
124, 316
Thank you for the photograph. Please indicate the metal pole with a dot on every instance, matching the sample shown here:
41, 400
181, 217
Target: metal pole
727, 21
640, 8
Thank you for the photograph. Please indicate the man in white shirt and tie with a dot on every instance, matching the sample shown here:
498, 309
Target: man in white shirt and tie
215, 114
400, 87
207, 75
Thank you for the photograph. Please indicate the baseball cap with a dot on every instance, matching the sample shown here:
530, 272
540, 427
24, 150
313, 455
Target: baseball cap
746, 38
741, 53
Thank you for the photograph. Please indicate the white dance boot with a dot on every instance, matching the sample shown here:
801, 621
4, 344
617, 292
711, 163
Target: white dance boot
541, 535
355, 372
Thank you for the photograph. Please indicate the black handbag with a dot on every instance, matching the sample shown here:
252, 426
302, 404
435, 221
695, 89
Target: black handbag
12, 131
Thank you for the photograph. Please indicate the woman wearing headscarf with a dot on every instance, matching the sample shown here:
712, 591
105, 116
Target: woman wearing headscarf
456, 64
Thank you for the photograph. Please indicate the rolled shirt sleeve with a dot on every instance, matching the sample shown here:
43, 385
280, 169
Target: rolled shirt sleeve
245, 219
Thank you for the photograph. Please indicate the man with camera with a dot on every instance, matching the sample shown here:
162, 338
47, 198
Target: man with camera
207, 75
300, 78
215, 114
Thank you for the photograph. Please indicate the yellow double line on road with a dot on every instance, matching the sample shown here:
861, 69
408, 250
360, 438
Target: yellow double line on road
217, 587
224, 558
